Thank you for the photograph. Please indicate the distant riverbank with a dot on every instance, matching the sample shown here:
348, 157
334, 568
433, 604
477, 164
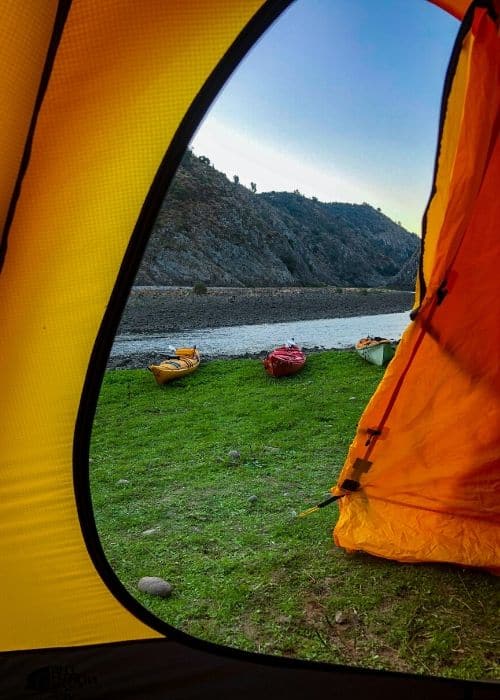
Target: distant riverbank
171, 309
254, 341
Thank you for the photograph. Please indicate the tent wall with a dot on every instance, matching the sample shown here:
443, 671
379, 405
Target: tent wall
25, 53
117, 94
430, 475
458, 8
99, 102
164, 670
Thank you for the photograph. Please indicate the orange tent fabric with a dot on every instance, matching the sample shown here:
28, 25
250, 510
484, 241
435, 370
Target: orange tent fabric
457, 8
422, 477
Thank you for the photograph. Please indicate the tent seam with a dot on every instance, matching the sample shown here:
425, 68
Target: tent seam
63, 9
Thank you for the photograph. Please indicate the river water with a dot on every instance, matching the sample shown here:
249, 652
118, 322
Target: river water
335, 333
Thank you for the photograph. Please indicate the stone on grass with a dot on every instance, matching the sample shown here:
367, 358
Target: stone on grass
154, 585
123, 481
252, 499
234, 456
151, 531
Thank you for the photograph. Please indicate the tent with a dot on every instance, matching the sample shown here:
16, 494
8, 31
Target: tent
99, 101
422, 478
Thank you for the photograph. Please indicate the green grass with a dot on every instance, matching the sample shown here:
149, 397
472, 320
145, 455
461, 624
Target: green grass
246, 571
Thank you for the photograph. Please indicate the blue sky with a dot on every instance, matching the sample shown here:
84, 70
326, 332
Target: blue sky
339, 99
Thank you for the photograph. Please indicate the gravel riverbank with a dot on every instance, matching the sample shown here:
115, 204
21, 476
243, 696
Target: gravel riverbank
164, 310
158, 310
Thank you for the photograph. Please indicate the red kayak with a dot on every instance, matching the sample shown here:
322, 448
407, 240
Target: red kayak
285, 360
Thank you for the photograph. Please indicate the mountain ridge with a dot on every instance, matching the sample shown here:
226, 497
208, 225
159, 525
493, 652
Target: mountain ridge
218, 232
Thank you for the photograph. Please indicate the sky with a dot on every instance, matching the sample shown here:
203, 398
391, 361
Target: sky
339, 99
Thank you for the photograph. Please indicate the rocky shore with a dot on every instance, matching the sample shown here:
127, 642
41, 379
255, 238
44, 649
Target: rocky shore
169, 309
161, 310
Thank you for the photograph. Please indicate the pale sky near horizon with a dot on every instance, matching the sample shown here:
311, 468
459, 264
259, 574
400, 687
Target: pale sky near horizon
339, 99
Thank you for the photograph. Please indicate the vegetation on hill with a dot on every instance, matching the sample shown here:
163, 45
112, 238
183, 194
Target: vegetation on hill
216, 231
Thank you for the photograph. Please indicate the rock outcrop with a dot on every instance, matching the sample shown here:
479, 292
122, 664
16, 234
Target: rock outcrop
218, 232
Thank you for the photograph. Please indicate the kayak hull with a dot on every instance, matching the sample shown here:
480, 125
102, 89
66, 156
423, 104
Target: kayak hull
185, 361
284, 361
376, 351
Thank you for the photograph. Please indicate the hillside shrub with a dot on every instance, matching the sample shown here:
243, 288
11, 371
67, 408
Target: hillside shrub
200, 288
290, 262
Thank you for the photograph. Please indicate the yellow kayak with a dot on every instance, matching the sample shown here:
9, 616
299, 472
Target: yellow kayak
183, 362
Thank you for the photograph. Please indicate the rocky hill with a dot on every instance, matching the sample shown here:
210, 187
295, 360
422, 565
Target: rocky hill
406, 277
216, 231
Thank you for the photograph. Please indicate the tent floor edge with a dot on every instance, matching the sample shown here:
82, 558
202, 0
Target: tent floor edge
161, 668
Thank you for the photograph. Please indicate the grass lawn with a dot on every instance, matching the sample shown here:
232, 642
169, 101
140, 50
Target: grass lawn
246, 571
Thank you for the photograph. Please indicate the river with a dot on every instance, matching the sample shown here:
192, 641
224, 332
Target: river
230, 341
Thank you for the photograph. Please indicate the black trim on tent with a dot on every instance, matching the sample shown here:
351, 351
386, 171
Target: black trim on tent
59, 22
450, 75
163, 669
261, 21
448, 82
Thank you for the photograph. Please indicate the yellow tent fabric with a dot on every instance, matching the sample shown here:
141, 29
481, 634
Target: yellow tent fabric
425, 463
99, 100
117, 93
